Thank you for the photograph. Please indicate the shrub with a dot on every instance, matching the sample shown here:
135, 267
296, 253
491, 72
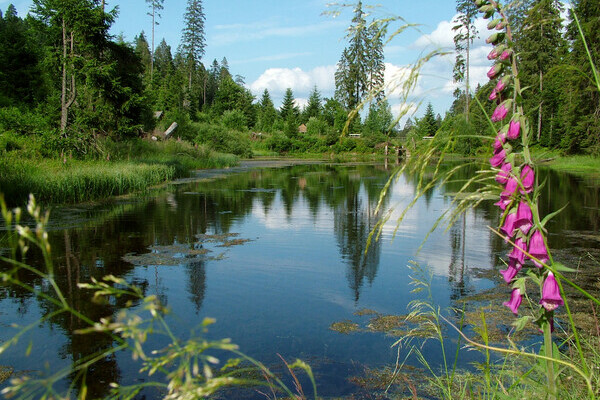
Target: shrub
222, 139
234, 119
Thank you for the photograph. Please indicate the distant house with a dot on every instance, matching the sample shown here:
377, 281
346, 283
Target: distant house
302, 128
354, 135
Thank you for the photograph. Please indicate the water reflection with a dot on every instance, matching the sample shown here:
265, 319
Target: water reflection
308, 258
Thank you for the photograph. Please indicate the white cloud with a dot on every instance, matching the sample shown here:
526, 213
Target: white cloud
300, 102
443, 35
277, 80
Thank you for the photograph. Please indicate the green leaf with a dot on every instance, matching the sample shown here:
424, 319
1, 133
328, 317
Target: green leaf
552, 215
562, 268
520, 323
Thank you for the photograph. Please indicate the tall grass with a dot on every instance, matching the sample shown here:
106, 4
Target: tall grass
118, 168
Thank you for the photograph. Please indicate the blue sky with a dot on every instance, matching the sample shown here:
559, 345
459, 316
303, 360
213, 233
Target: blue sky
277, 44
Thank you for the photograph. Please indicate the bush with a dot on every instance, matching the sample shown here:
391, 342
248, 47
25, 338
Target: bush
223, 140
316, 127
23, 122
234, 119
184, 130
278, 142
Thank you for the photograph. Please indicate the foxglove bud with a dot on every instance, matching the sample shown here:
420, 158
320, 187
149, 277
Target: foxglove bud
500, 25
506, 54
495, 71
495, 38
492, 24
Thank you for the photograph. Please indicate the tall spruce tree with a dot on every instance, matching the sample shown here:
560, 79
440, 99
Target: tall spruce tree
21, 75
361, 67
466, 32
193, 40
313, 107
79, 30
155, 6
288, 109
582, 107
541, 49
266, 113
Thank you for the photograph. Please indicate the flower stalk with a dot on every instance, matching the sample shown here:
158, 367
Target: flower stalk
520, 222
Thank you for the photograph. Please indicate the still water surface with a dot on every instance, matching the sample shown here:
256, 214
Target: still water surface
276, 255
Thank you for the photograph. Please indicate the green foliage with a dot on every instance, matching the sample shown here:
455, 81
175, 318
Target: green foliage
316, 127
278, 142
235, 120
360, 70
223, 140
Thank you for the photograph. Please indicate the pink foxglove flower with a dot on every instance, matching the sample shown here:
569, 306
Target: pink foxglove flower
551, 297
515, 301
500, 112
498, 158
509, 224
514, 129
504, 202
537, 248
510, 188
511, 271
527, 179
524, 220
493, 96
504, 174
517, 251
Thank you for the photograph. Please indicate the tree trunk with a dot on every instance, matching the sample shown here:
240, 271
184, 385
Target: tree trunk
65, 103
63, 89
539, 130
152, 52
467, 73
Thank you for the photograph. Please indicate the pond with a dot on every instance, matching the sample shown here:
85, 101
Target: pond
277, 256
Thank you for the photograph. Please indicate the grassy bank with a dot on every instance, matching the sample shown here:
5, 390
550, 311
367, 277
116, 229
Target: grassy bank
117, 169
577, 164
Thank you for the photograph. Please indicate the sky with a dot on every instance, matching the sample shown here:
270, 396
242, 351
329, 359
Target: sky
276, 44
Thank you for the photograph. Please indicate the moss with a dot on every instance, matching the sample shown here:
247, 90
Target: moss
344, 327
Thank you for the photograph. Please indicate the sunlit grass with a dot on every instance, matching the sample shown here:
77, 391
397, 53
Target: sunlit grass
122, 168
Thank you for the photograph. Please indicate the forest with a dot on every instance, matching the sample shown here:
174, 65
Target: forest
70, 92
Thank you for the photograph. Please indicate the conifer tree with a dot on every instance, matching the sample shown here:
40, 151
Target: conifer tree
193, 40
466, 32
361, 67
288, 109
267, 113
541, 48
313, 107
155, 7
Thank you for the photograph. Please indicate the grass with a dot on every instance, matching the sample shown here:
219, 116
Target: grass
577, 164
117, 168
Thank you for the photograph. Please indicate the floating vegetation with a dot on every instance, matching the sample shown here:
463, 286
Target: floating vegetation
365, 311
344, 327
385, 383
215, 238
5, 373
392, 325
185, 253
234, 242
389, 324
